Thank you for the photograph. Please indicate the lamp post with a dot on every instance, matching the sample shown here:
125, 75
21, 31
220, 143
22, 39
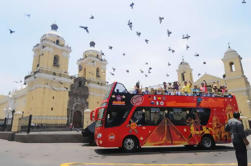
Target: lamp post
12, 118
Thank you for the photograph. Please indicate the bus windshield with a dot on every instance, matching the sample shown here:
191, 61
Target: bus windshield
109, 90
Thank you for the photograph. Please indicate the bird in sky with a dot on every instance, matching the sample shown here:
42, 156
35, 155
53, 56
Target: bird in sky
169, 49
113, 69
196, 54
173, 51
199, 74
186, 36
132, 5
92, 17
146, 75
28, 15
112, 73
204, 62
129, 24
11, 31
243, 2
167, 75
141, 71
169, 64
146, 40
146, 63
150, 68
168, 32
110, 47
138, 34
124, 54
85, 28
161, 19
127, 71
187, 47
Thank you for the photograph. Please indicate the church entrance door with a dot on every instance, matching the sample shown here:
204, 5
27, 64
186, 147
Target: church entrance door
77, 120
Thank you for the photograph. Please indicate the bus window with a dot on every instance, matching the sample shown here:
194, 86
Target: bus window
116, 116
203, 114
120, 88
100, 117
178, 116
147, 116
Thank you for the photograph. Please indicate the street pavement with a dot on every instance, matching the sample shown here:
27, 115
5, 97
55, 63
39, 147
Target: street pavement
78, 154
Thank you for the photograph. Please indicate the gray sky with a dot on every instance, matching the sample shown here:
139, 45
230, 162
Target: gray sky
211, 24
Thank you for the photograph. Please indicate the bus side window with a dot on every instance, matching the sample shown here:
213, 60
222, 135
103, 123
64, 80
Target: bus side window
179, 116
204, 114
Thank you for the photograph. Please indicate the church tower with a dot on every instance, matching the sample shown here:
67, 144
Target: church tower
48, 82
92, 66
184, 73
236, 81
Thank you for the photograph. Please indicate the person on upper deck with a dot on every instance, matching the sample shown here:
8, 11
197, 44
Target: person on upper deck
186, 88
203, 87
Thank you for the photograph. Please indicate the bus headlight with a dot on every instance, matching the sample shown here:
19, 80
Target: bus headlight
99, 135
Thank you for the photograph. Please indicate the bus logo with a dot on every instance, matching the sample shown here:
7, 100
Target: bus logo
137, 100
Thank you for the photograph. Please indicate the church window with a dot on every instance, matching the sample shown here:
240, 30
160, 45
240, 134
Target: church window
232, 67
57, 42
56, 60
51, 108
84, 72
97, 72
79, 67
53, 97
183, 76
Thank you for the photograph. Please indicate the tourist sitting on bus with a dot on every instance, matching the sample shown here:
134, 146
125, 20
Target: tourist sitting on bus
176, 88
186, 89
146, 92
196, 90
137, 88
170, 88
159, 91
152, 91
165, 91
223, 90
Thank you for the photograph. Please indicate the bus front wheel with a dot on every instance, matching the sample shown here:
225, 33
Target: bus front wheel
207, 142
130, 144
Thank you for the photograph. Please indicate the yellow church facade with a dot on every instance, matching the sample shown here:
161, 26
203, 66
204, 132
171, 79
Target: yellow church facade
46, 92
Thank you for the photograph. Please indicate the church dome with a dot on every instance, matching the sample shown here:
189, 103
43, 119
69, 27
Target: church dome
184, 65
230, 53
92, 52
53, 36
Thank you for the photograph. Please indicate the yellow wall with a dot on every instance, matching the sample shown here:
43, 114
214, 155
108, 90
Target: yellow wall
3, 105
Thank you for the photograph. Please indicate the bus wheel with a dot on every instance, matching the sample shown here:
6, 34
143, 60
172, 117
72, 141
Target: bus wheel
207, 142
130, 144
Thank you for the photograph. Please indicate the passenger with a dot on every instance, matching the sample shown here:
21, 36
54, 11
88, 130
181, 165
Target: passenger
136, 88
152, 92
176, 88
165, 91
146, 92
170, 88
196, 90
186, 89
159, 91
224, 90
203, 87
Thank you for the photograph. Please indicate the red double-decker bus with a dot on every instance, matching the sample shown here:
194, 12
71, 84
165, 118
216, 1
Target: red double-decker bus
130, 121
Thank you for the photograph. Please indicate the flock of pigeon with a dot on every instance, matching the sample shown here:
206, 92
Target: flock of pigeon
130, 25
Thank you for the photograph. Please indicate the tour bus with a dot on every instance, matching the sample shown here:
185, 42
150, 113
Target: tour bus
131, 121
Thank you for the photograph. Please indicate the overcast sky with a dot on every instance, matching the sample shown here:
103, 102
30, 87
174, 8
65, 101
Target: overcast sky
211, 24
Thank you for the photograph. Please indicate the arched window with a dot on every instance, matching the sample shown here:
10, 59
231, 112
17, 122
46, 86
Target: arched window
232, 67
183, 76
57, 42
56, 60
97, 72
85, 72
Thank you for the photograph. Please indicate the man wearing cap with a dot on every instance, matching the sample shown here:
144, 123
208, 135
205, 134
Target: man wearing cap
235, 127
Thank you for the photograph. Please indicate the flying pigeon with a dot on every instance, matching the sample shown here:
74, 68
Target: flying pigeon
146, 40
187, 47
169, 33
110, 47
132, 5
197, 55
92, 17
11, 31
129, 24
138, 34
123, 54
161, 19
85, 28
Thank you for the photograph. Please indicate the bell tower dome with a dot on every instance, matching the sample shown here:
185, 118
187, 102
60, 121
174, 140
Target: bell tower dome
184, 73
